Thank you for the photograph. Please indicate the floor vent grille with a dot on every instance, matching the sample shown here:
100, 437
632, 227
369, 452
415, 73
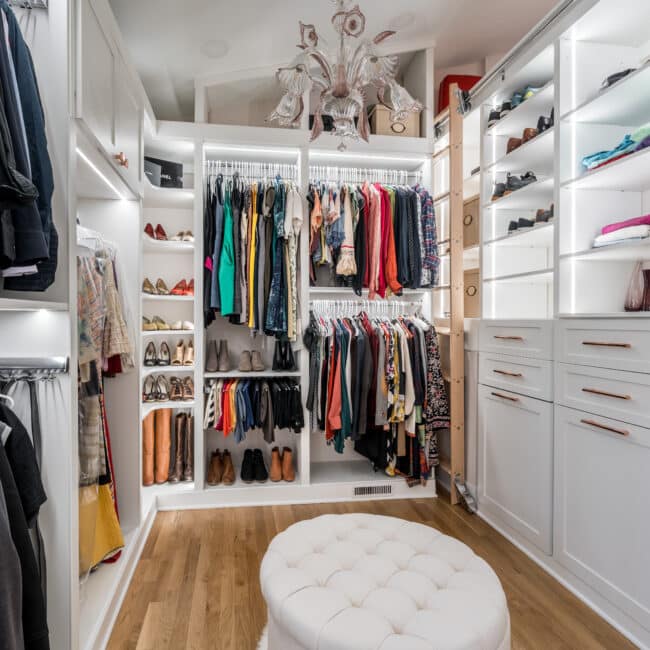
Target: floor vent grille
372, 490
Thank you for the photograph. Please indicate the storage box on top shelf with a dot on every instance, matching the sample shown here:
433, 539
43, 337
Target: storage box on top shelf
170, 175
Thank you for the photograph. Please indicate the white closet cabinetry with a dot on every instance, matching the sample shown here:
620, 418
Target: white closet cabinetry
516, 472
602, 530
106, 100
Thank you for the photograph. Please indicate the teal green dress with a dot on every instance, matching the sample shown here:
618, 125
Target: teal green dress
227, 261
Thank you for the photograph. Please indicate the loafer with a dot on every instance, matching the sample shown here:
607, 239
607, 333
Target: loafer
512, 227
499, 191
529, 134
523, 224
513, 143
161, 325
494, 117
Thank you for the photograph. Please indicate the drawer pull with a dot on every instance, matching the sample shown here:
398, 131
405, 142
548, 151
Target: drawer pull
509, 338
598, 425
122, 160
601, 344
510, 399
604, 393
507, 373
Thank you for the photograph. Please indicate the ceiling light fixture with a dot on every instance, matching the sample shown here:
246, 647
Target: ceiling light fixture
342, 79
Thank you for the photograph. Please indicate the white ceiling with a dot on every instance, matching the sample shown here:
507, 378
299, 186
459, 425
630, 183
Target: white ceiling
173, 42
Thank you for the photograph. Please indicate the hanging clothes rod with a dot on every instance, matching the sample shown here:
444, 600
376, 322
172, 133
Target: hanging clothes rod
29, 4
251, 169
330, 174
34, 364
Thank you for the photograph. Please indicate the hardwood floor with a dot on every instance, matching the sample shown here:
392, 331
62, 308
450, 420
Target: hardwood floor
196, 586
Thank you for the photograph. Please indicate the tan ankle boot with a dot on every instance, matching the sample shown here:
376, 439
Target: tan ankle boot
275, 473
215, 471
228, 469
224, 357
163, 438
188, 451
288, 471
256, 360
147, 449
245, 362
176, 473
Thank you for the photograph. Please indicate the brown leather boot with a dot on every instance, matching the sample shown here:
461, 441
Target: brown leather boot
228, 469
275, 474
176, 472
288, 471
188, 453
215, 470
147, 449
163, 438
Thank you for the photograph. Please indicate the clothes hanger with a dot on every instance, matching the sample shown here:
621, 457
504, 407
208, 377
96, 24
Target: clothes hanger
9, 400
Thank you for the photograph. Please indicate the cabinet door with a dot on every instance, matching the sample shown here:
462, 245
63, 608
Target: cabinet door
516, 463
97, 77
602, 528
128, 128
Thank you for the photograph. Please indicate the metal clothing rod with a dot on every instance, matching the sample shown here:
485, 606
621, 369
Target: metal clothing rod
36, 364
249, 169
330, 174
29, 4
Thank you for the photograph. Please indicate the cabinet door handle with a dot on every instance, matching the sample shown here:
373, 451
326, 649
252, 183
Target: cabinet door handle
508, 397
509, 338
604, 393
507, 373
122, 160
605, 427
604, 344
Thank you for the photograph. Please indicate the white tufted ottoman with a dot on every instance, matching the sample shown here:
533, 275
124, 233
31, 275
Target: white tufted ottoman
364, 582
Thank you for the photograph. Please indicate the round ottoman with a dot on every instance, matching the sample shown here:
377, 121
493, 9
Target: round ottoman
364, 582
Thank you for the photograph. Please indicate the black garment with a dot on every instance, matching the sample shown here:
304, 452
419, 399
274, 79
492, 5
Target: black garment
33, 615
361, 244
31, 244
208, 252
415, 255
22, 458
401, 238
41, 167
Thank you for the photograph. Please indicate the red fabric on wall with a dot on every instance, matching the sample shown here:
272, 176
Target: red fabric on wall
464, 81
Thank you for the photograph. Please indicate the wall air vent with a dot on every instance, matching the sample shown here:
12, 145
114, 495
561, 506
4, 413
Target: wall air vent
372, 490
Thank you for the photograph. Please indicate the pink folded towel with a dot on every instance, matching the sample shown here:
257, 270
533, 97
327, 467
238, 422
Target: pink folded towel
637, 221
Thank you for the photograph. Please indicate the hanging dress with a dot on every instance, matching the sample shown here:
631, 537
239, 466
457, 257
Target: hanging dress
227, 260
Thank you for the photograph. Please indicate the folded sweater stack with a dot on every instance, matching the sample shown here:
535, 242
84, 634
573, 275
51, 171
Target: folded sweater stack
631, 229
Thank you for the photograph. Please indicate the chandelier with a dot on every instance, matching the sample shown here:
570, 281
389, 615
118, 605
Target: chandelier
342, 77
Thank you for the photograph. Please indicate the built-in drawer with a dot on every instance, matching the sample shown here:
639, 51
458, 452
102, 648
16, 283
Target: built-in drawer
532, 377
526, 338
615, 344
613, 394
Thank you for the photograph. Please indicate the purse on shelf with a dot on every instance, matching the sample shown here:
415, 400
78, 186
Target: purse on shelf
283, 358
636, 289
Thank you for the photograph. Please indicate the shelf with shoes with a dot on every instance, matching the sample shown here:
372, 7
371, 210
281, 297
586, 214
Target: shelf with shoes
526, 113
539, 192
536, 153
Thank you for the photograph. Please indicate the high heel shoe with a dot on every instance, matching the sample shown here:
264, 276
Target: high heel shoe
150, 355
178, 354
161, 235
148, 229
188, 389
180, 289
161, 287
149, 389
164, 355
188, 355
147, 287
190, 288
177, 390
161, 325
162, 386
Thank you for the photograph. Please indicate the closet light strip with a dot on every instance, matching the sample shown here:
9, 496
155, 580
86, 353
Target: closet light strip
254, 150
97, 171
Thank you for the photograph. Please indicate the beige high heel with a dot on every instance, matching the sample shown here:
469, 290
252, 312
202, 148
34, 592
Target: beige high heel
179, 354
188, 357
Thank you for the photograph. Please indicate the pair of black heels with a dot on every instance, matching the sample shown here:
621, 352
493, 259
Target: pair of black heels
283, 359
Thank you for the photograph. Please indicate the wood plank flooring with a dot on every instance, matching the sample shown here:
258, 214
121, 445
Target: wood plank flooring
196, 586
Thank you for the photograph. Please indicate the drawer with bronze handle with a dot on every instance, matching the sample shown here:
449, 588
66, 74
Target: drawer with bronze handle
605, 343
531, 377
528, 338
615, 394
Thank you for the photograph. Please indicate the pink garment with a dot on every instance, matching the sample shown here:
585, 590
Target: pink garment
637, 221
374, 241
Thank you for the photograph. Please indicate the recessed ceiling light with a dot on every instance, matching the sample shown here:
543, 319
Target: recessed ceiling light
403, 21
215, 49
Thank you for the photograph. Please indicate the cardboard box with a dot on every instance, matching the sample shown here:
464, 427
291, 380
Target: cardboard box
171, 173
380, 123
